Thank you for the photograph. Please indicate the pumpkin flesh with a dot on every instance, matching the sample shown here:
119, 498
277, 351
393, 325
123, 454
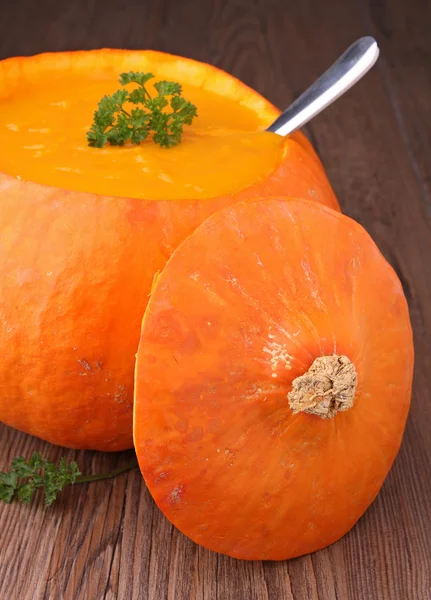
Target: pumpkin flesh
242, 309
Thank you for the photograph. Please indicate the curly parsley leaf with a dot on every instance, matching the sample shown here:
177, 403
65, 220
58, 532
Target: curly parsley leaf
8, 486
163, 116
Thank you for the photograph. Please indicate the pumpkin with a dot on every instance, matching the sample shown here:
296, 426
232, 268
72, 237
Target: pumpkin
84, 230
273, 379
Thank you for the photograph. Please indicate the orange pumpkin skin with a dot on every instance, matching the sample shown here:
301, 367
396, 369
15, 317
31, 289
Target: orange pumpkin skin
243, 308
77, 270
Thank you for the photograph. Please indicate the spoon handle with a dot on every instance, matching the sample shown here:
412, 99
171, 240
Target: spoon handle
345, 72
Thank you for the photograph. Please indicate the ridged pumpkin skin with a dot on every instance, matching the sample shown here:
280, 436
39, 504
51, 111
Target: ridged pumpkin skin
242, 310
77, 268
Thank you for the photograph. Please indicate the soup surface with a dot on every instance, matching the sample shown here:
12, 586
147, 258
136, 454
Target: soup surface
43, 139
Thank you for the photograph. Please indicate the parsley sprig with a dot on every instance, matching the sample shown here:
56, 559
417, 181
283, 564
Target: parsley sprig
27, 476
163, 115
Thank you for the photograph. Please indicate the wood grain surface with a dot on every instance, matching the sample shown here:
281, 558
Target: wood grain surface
108, 540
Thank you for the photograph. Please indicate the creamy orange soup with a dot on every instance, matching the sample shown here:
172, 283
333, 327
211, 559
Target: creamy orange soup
43, 139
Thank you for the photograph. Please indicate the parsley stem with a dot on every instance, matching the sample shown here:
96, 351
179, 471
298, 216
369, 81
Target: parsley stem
125, 112
146, 92
101, 476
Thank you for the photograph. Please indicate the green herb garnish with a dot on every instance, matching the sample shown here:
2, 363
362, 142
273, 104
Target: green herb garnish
27, 476
163, 116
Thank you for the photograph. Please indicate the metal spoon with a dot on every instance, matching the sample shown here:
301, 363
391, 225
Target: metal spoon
345, 72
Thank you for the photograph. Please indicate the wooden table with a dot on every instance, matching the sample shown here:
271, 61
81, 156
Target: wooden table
108, 540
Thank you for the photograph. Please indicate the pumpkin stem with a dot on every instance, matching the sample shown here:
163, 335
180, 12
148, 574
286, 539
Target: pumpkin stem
327, 387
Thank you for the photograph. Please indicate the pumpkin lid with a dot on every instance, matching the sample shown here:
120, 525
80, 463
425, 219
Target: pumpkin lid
47, 104
270, 316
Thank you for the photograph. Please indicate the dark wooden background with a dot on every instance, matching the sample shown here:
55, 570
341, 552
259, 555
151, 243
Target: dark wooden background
108, 540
